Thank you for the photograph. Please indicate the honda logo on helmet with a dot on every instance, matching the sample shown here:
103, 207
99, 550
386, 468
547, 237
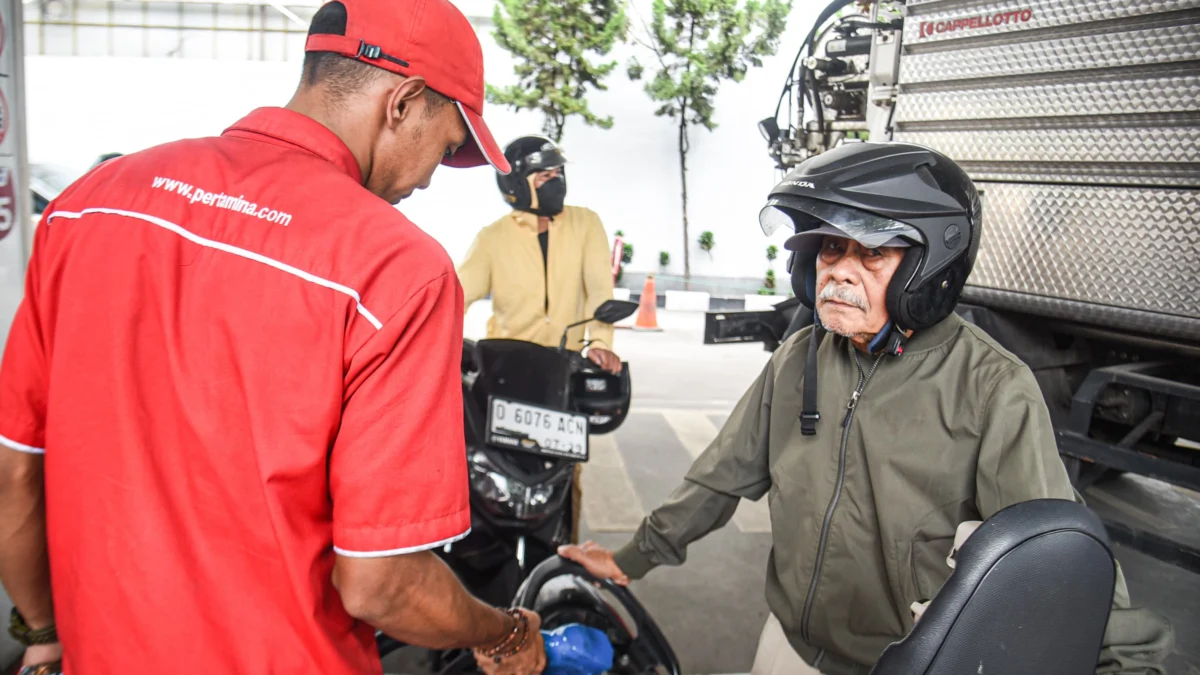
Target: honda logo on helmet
800, 184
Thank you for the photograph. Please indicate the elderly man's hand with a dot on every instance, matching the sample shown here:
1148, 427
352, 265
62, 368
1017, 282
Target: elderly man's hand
605, 359
597, 560
530, 661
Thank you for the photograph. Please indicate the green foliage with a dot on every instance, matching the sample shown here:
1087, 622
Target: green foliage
556, 45
697, 44
706, 242
627, 253
664, 259
772, 252
769, 280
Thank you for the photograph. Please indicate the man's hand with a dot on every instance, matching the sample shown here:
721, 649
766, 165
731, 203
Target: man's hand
529, 661
605, 359
597, 560
36, 655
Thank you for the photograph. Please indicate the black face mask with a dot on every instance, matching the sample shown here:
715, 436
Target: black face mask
550, 197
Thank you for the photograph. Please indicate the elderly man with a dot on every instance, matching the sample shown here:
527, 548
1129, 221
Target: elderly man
919, 422
230, 397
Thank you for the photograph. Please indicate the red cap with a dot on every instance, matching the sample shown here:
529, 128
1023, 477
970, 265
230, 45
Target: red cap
430, 38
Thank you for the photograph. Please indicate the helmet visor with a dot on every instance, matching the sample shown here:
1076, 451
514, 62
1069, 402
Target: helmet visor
811, 219
549, 157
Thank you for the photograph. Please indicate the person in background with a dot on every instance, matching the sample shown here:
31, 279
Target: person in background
546, 265
229, 400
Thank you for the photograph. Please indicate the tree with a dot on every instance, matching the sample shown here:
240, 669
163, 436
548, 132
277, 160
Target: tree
698, 44
555, 44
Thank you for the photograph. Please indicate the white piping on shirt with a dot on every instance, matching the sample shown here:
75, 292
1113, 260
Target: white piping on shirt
399, 551
241, 252
21, 447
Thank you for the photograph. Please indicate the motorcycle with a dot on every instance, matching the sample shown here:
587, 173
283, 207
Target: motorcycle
528, 412
564, 593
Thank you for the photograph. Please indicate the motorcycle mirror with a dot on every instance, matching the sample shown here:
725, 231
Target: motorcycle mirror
613, 311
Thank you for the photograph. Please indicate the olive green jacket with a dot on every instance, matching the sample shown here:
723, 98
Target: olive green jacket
953, 430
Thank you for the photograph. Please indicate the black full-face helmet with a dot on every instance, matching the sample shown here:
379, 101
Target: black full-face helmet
884, 194
528, 155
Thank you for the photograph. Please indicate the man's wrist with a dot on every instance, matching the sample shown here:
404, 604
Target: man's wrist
632, 561
514, 635
21, 631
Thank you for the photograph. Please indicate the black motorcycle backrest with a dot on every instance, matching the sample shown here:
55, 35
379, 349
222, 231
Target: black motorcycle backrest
648, 633
1030, 595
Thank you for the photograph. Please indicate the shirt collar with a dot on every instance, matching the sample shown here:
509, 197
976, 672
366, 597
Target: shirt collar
286, 127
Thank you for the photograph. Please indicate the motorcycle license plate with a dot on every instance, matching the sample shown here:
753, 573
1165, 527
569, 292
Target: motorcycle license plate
541, 431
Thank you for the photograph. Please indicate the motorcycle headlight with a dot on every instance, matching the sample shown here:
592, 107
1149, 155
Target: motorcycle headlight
507, 497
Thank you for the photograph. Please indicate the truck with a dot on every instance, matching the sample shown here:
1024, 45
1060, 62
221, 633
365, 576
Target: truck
1079, 121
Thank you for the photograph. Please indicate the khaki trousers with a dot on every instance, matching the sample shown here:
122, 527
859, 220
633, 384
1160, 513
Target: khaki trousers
775, 656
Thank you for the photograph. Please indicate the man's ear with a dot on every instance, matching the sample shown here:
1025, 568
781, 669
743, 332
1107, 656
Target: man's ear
402, 100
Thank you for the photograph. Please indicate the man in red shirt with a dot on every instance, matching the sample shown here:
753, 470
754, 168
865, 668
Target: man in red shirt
230, 397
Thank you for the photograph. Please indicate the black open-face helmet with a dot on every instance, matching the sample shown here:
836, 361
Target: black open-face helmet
884, 194
880, 194
527, 155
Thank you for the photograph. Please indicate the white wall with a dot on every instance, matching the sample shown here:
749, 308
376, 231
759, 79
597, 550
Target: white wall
82, 107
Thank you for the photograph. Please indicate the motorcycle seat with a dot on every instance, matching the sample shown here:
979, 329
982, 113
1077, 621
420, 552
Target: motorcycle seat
1030, 593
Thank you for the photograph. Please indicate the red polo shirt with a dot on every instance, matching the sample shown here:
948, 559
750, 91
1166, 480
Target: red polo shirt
236, 361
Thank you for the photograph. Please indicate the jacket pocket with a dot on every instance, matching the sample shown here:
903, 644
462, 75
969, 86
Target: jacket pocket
928, 565
904, 588
931, 543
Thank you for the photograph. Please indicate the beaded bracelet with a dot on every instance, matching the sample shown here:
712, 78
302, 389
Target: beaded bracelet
502, 649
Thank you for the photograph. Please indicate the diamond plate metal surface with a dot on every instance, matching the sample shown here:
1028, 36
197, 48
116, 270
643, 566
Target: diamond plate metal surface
1124, 173
1161, 144
1132, 48
1180, 93
1116, 318
1128, 248
1044, 14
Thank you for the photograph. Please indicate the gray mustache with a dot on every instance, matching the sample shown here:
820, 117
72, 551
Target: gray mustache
833, 291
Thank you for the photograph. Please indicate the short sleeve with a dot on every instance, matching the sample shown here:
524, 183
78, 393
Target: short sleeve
398, 474
24, 370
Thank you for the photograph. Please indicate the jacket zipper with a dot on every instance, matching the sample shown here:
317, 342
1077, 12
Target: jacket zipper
863, 378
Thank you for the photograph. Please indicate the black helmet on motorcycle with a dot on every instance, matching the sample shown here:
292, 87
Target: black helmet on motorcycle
529, 155
884, 194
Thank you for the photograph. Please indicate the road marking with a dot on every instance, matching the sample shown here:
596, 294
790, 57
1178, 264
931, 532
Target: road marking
695, 431
610, 503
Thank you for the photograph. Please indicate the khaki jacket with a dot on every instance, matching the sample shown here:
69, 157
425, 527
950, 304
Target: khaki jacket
532, 302
953, 430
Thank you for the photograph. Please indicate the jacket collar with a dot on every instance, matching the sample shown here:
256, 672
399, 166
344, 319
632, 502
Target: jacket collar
281, 126
921, 341
935, 336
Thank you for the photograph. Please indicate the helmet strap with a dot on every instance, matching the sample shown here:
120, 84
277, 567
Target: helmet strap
891, 339
809, 415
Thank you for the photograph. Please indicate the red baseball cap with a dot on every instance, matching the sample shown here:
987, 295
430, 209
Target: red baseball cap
430, 38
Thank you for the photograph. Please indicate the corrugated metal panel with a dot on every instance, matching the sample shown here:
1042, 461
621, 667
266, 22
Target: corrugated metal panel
1098, 144
1137, 248
1081, 121
931, 22
1171, 44
1179, 91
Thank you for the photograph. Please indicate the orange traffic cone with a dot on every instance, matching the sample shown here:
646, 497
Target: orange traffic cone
647, 318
